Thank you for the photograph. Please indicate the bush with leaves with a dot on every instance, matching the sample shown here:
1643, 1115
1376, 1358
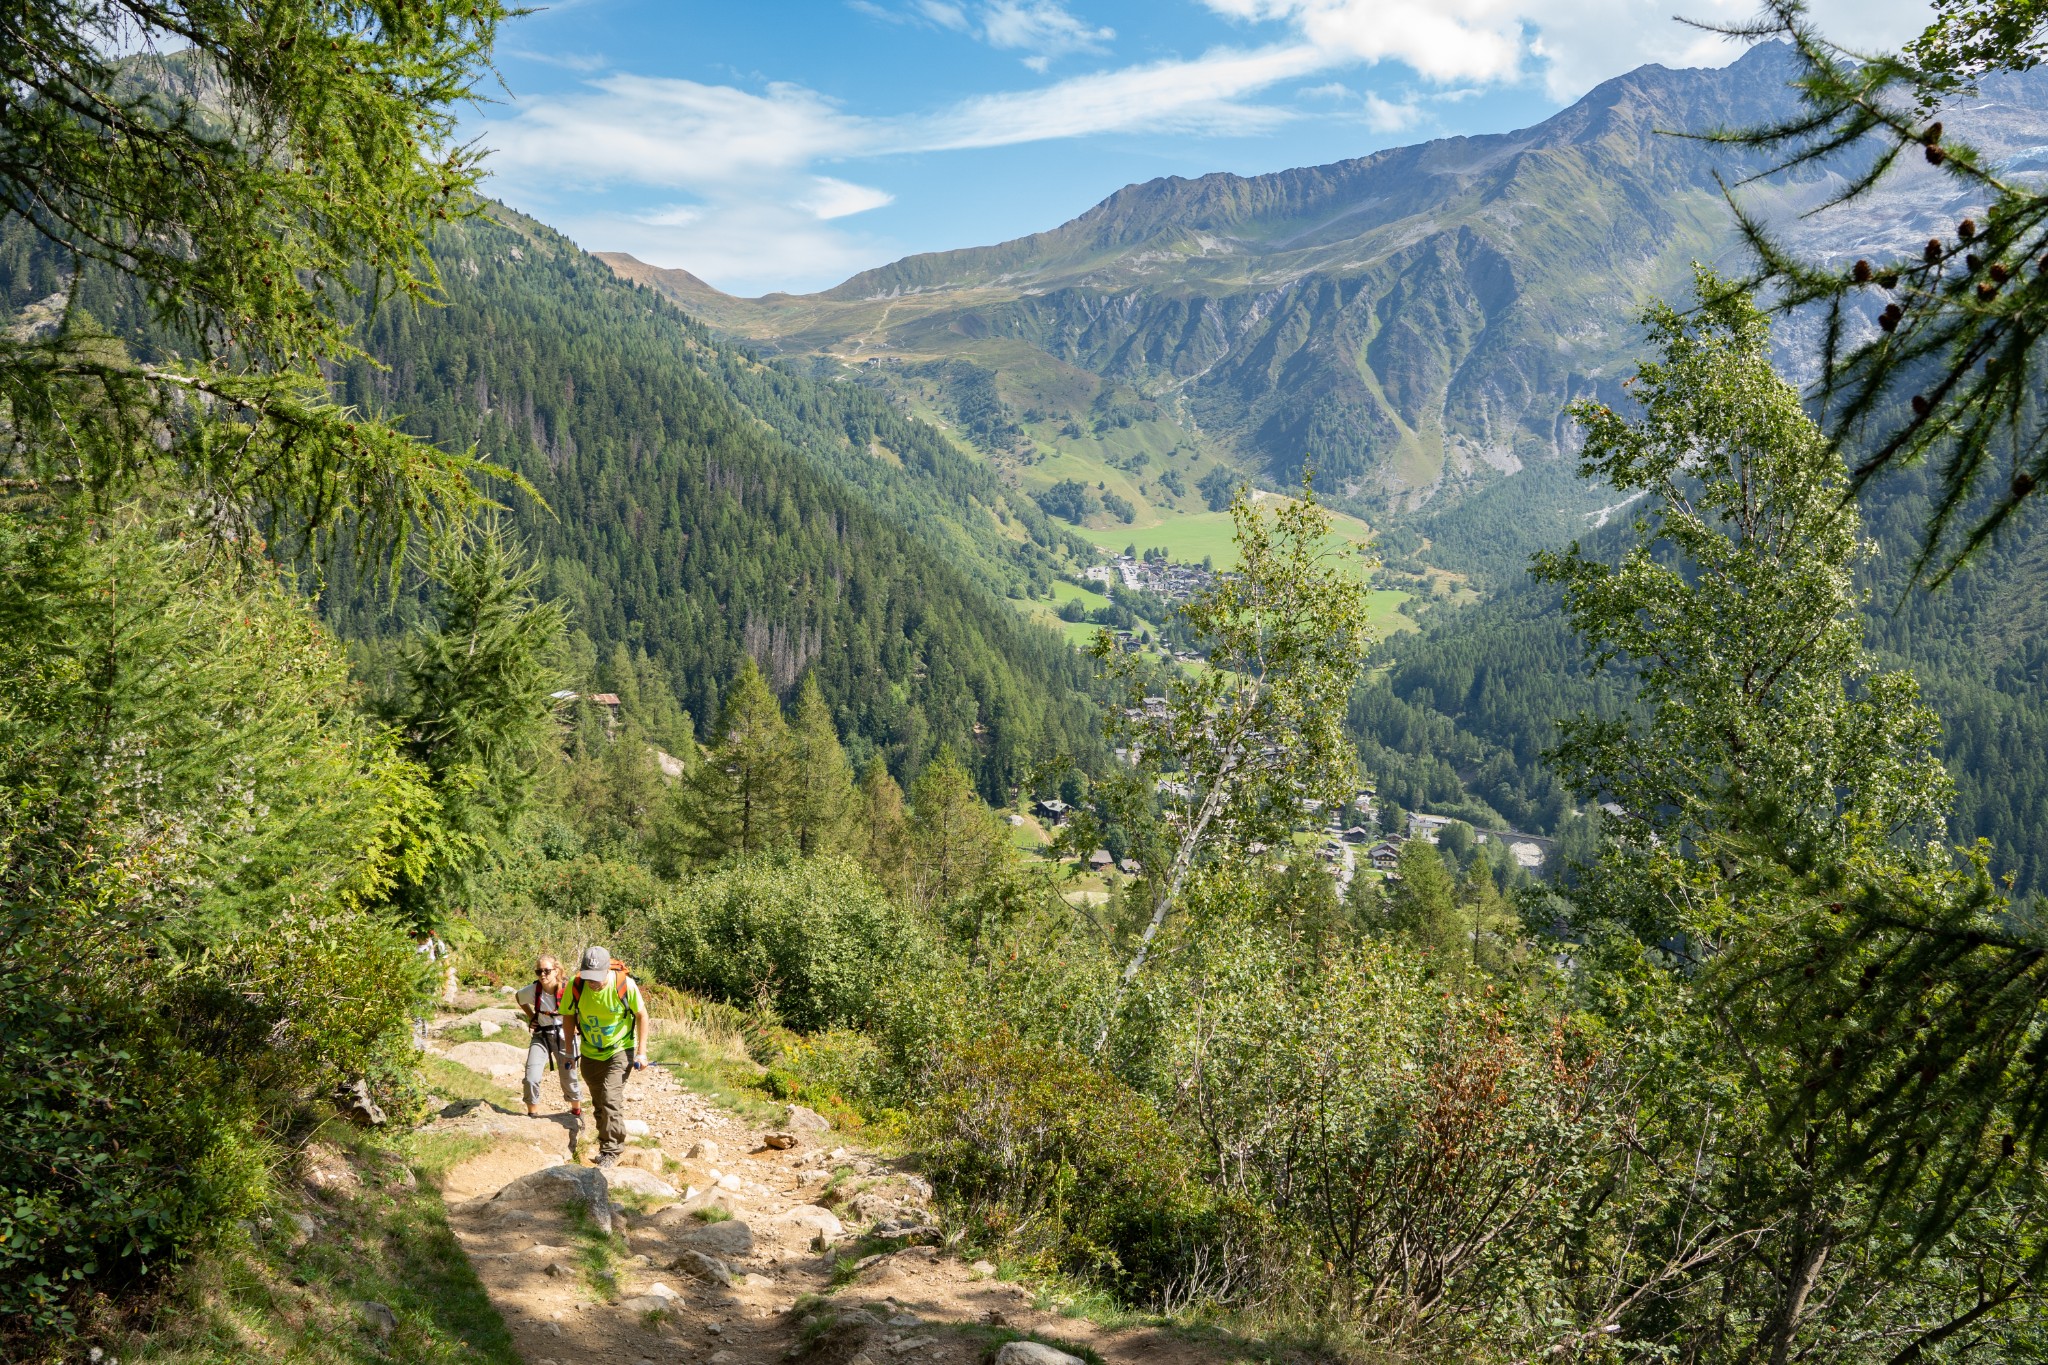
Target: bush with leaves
813, 938
1423, 1147
1060, 1162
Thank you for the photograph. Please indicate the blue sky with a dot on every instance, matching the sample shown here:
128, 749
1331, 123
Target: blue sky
786, 144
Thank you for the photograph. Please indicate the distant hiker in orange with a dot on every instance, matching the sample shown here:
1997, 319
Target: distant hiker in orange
550, 1047
611, 1028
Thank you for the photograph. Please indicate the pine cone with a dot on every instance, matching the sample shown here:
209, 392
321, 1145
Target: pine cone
1861, 274
1967, 229
1921, 407
1931, 253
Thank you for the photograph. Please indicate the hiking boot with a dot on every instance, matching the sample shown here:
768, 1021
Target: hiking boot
607, 1161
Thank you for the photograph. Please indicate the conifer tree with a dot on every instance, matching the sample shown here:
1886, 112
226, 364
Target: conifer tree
822, 799
1422, 906
734, 801
474, 709
1486, 921
884, 828
955, 840
1951, 374
252, 168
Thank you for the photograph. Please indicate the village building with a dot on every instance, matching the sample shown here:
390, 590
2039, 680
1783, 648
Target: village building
1427, 826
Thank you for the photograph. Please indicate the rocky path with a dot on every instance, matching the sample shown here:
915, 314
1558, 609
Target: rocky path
739, 1251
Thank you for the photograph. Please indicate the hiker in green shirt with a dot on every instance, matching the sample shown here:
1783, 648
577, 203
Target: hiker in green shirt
611, 1025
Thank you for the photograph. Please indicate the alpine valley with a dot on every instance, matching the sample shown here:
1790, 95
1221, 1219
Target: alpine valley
1410, 326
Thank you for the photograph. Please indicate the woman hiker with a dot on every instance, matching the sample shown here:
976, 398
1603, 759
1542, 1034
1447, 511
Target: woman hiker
540, 1000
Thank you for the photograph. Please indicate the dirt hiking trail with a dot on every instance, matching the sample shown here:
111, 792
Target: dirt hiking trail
733, 1244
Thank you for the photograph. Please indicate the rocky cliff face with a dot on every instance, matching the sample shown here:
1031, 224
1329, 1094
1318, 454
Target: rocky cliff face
1403, 322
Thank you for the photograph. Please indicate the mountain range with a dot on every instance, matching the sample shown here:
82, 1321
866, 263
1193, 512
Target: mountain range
1410, 323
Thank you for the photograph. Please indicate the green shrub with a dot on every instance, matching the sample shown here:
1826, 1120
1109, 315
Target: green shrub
191, 833
831, 1072
533, 904
811, 937
1060, 1162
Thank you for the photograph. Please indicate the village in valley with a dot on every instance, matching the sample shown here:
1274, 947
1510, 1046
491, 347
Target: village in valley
1350, 841
1152, 572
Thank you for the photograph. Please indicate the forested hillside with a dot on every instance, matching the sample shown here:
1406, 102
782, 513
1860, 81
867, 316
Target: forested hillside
1459, 717
705, 508
701, 507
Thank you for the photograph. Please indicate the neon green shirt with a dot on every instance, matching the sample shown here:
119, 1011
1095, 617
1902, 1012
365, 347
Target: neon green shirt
604, 1015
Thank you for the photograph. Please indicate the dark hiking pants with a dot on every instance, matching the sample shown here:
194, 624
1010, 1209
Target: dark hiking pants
606, 1081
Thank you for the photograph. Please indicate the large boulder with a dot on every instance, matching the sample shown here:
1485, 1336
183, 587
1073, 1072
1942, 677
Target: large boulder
703, 1267
816, 1222
645, 1158
555, 1186
802, 1120
380, 1321
870, 1207
658, 1298
727, 1238
1034, 1353
496, 1060
641, 1182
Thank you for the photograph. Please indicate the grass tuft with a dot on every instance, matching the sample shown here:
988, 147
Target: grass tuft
278, 1294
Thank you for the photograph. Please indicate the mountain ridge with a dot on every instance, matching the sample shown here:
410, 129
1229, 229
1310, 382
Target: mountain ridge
1410, 323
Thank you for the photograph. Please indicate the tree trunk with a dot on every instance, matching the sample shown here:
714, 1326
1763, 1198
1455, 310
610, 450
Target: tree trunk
1183, 860
1809, 1257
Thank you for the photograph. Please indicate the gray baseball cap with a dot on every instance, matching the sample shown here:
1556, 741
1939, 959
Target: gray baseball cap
597, 965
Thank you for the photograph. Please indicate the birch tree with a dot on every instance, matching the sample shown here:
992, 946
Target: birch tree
1242, 751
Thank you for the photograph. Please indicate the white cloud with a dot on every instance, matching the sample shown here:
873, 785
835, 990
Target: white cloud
831, 198
583, 63
671, 215
1441, 39
944, 15
1205, 95
742, 245
1386, 116
1571, 45
669, 133
1041, 27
